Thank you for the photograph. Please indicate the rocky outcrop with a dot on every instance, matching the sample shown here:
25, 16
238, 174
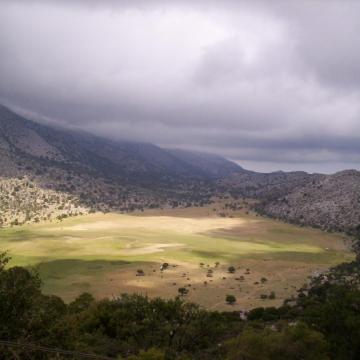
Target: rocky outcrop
330, 202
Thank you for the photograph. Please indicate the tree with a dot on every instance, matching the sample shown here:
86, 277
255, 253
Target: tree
81, 303
230, 299
231, 269
290, 342
333, 309
140, 272
183, 291
4, 259
19, 292
151, 354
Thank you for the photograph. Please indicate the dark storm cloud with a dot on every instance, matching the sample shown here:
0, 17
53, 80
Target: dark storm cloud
260, 82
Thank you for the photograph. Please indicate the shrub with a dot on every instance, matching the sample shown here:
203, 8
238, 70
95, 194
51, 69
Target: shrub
140, 272
183, 291
230, 299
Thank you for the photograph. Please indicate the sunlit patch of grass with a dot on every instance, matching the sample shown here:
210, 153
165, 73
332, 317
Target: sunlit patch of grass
135, 238
79, 253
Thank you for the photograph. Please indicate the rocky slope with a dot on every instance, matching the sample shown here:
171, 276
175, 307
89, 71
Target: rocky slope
98, 173
330, 202
47, 172
266, 186
23, 201
212, 166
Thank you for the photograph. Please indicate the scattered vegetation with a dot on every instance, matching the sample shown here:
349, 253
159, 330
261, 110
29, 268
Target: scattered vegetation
321, 323
183, 291
230, 299
22, 201
101, 253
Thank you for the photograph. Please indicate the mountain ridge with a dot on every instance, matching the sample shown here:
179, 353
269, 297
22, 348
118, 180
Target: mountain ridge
98, 173
83, 172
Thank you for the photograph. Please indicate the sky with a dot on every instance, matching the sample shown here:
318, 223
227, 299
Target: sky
272, 85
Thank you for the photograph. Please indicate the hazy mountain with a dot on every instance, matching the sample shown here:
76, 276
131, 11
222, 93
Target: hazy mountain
102, 173
125, 160
210, 165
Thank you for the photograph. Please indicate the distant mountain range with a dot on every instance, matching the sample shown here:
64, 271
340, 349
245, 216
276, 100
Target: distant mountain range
53, 172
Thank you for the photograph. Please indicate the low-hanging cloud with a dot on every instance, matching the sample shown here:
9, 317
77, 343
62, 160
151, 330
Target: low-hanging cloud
273, 85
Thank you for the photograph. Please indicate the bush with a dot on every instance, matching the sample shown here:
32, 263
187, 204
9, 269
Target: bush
230, 299
296, 342
151, 354
183, 291
140, 272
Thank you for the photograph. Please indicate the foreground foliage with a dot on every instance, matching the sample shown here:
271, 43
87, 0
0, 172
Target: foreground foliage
322, 323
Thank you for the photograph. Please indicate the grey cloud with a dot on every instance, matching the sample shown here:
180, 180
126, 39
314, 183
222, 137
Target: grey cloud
260, 82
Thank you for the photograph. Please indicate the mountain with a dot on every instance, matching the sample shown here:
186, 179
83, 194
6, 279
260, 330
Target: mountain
100, 173
265, 186
105, 157
212, 166
49, 172
329, 202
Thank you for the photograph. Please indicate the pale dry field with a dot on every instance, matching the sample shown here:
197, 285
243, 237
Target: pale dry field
101, 253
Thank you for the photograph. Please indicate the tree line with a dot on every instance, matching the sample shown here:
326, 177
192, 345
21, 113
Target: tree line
322, 322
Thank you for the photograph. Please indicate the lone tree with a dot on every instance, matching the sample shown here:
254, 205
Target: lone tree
231, 269
140, 272
272, 295
230, 299
183, 291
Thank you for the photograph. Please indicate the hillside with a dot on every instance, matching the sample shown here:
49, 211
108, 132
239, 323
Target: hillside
266, 186
329, 202
213, 166
88, 173
24, 201
98, 173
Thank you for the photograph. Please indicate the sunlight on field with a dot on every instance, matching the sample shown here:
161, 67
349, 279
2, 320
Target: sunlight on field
100, 253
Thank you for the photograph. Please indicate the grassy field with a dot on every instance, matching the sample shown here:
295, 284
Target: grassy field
101, 253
